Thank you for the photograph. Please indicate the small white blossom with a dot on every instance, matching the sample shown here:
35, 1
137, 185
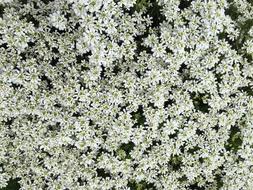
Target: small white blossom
58, 20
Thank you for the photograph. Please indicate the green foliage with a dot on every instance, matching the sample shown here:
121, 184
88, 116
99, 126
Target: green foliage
176, 162
141, 4
12, 185
143, 185
124, 150
235, 140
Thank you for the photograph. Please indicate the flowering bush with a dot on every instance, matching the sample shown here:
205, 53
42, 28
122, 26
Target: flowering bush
126, 94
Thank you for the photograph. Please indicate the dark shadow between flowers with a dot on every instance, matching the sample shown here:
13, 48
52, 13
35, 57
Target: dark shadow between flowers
12, 185
48, 82
184, 4
134, 185
198, 102
101, 172
235, 140
139, 117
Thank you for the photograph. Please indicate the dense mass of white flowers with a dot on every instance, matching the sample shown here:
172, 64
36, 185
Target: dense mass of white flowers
126, 94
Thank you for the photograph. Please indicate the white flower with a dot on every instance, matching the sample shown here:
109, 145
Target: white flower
58, 20
248, 46
6, 1
111, 100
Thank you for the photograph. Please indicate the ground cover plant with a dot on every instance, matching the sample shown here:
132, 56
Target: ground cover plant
126, 94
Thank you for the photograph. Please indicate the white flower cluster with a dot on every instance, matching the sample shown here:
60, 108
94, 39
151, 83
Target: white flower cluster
58, 21
126, 94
